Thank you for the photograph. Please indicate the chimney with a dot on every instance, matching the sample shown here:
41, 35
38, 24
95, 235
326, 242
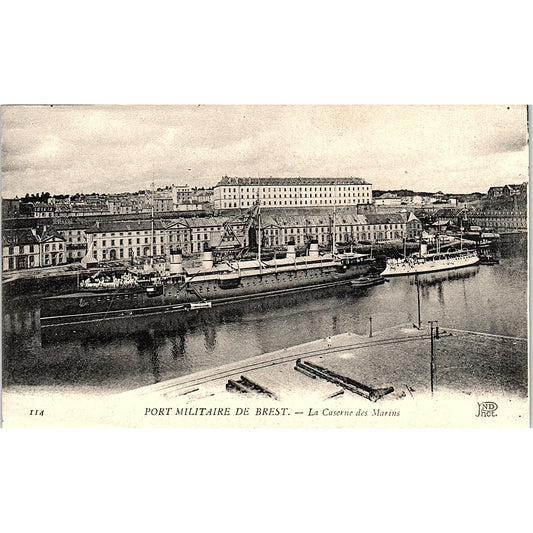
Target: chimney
313, 249
291, 251
207, 260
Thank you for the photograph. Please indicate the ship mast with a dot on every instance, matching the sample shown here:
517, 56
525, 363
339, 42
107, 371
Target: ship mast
152, 225
259, 239
333, 247
438, 235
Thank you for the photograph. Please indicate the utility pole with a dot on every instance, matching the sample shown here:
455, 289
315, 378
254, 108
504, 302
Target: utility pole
418, 299
432, 360
370, 322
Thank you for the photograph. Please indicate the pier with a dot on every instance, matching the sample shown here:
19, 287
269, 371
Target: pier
393, 364
353, 380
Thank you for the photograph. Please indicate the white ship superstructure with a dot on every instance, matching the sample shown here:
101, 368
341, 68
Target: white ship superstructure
424, 262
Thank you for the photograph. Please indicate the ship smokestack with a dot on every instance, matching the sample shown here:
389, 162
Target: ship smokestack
291, 251
176, 259
207, 260
313, 250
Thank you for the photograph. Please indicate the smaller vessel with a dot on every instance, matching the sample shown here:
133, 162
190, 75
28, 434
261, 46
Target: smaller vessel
424, 262
367, 281
488, 259
200, 305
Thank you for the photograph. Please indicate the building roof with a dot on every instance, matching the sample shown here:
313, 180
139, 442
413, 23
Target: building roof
290, 181
296, 220
23, 236
131, 225
196, 222
389, 218
341, 219
18, 237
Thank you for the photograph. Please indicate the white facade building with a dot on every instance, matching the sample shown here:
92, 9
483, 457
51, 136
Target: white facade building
241, 193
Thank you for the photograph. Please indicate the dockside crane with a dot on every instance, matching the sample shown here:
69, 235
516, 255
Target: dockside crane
235, 239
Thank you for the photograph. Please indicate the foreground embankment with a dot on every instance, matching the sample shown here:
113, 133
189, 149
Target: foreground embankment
285, 389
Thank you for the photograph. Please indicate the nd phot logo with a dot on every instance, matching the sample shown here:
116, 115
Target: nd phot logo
487, 409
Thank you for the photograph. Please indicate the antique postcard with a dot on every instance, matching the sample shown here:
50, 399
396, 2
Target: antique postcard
265, 266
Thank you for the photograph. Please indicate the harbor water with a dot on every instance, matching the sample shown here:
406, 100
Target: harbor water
119, 355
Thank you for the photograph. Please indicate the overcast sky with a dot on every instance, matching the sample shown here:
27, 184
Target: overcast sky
68, 149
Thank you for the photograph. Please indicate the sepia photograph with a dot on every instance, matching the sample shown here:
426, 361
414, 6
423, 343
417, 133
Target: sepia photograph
279, 266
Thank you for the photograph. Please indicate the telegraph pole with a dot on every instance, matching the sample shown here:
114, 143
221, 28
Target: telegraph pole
432, 360
418, 299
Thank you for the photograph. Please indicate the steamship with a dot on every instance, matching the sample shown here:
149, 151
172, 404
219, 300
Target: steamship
169, 287
424, 262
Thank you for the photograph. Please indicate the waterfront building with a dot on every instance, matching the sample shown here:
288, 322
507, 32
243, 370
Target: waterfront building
349, 228
413, 227
205, 232
121, 240
242, 193
500, 220
24, 248
75, 238
111, 241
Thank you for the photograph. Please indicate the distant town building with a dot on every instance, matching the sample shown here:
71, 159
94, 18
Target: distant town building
241, 193
509, 195
10, 208
181, 194
388, 199
495, 192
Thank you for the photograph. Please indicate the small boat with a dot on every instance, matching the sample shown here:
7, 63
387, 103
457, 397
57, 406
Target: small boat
367, 281
200, 305
488, 259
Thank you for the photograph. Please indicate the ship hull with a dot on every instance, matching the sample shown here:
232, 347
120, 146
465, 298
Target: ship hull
406, 269
93, 307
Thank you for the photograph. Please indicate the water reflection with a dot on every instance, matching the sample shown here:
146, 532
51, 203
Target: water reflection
437, 278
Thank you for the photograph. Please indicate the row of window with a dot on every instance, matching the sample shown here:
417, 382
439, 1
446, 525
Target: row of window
28, 261
346, 237
316, 195
14, 250
120, 253
296, 189
173, 237
340, 229
246, 203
